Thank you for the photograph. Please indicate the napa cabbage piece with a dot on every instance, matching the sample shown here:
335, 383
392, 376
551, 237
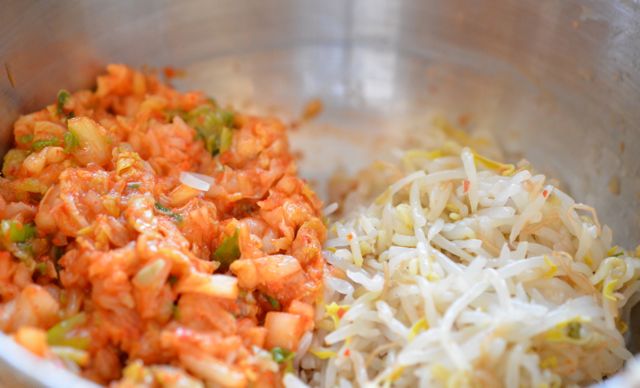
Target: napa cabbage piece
93, 145
64, 333
213, 125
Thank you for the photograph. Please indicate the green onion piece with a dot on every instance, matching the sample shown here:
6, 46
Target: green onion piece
71, 141
40, 144
162, 208
226, 118
273, 302
211, 144
225, 139
58, 335
133, 185
281, 355
13, 160
57, 253
200, 135
25, 139
63, 97
228, 251
28, 231
17, 231
19, 240
210, 123
41, 268
198, 115
168, 212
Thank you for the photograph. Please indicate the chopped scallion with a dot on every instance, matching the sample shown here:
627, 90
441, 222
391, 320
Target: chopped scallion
281, 355
168, 212
273, 302
228, 251
63, 97
41, 268
25, 139
40, 144
17, 231
71, 141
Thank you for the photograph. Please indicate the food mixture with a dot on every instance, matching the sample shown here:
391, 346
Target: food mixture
467, 272
152, 238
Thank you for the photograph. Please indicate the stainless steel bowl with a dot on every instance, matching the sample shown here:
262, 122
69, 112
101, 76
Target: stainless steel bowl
558, 82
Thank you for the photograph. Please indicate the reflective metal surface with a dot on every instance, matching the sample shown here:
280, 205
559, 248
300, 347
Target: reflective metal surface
558, 82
